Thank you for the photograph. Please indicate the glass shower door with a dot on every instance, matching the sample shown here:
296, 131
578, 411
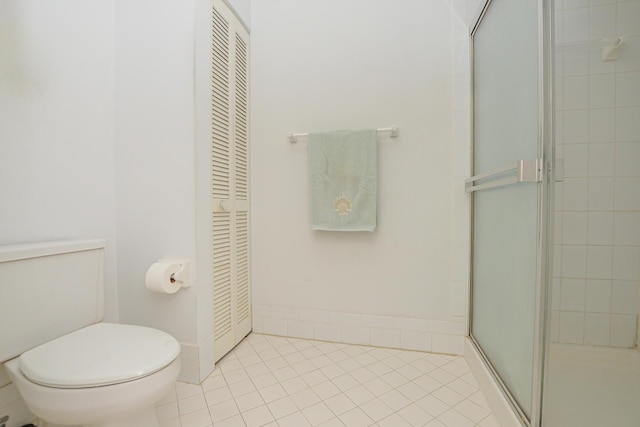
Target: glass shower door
507, 196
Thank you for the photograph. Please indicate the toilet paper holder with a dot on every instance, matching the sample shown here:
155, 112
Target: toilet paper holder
183, 275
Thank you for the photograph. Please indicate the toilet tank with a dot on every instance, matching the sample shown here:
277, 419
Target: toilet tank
48, 290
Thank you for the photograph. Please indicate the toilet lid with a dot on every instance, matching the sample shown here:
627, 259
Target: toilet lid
100, 354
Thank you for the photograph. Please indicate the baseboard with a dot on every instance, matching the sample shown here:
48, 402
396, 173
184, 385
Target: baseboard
431, 335
197, 361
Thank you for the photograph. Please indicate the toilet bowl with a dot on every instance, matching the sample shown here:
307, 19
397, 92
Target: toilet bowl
103, 375
69, 366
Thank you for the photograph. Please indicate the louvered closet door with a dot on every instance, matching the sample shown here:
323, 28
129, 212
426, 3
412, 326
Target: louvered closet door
229, 180
241, 185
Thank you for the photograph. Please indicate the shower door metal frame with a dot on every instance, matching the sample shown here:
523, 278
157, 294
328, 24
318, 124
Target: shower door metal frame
546, 152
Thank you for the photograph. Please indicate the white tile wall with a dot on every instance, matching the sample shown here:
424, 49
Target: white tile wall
351, 328
597, 260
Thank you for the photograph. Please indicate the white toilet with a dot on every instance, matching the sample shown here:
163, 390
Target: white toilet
69, 367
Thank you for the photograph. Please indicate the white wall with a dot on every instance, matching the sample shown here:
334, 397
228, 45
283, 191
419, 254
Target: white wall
464, 13
154, 155
242, 8
56, 133
155, 169
56, 115
358, 64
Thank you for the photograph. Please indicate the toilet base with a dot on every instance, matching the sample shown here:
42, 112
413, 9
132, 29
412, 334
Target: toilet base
128, 404
145, 419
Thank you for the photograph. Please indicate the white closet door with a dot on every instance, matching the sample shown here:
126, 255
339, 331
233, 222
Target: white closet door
229, 180
241, 185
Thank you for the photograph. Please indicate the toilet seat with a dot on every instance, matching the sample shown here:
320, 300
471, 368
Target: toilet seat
98, 355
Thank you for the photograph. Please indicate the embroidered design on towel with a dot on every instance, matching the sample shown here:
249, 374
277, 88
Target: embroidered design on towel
342, 205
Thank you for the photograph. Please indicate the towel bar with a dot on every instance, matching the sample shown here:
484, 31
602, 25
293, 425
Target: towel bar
293, 137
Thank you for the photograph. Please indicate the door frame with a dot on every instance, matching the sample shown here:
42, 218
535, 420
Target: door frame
546, 151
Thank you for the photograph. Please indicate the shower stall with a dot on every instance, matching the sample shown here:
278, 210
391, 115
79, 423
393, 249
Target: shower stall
555, 247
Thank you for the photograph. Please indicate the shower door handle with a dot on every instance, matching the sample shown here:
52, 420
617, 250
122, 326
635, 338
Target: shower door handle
528, 170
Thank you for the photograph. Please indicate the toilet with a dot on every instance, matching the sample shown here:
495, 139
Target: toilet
69, 366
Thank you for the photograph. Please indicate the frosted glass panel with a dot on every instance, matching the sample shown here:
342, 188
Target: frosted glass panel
506, 85
504, 276
506, 218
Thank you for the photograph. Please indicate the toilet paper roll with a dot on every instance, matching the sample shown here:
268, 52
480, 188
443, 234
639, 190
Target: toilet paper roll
158, 278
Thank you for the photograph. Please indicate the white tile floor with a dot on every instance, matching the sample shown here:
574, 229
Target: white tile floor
277, 381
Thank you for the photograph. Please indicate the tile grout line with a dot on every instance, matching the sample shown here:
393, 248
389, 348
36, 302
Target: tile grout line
295, 354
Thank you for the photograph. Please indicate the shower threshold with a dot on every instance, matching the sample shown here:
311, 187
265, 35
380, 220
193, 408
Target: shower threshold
592, 387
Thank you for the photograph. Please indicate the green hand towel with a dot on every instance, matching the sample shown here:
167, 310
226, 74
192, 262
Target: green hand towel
343, 180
